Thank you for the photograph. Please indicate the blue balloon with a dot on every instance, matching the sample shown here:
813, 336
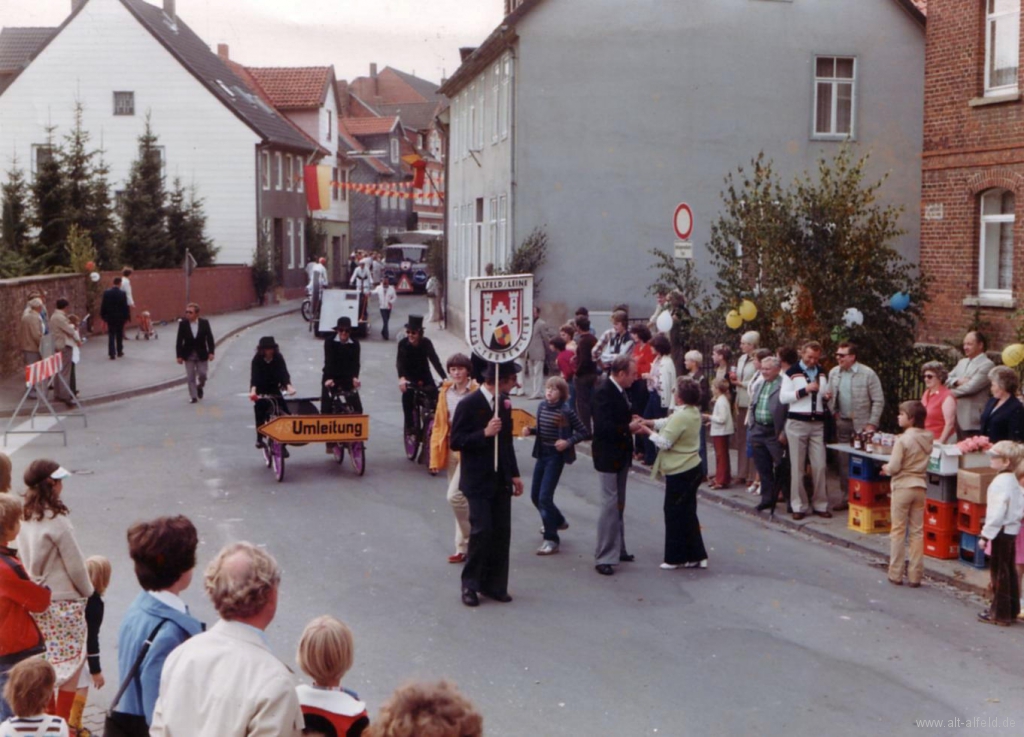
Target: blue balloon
900, 301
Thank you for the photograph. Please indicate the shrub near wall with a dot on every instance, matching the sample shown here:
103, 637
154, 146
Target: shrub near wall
216, 289
13, 297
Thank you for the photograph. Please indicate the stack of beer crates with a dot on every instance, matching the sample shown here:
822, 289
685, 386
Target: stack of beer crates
971, 504
941, 536
868, 497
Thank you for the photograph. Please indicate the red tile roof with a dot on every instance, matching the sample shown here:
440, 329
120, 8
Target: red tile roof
292, 88
921, 5
370, 126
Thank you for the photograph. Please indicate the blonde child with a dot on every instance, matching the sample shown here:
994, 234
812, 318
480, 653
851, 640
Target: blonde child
99, 573
29, 691
907, 467
326, 651
1002, 525
722, 429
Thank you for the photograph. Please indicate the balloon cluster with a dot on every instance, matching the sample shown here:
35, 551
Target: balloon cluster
746, 312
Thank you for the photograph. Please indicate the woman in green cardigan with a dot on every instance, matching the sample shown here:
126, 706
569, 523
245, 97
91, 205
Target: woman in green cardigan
677, 438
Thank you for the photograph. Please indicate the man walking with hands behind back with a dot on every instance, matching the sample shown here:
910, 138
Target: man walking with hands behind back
195, 348
970, 384
475, 430
614, 426
114, 312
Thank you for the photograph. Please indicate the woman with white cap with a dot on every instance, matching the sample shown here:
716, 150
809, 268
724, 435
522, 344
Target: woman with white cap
52, 558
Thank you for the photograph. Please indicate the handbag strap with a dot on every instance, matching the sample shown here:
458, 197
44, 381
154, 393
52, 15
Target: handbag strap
136, 665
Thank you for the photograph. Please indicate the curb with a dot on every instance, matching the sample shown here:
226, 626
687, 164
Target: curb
169, 383
818, 534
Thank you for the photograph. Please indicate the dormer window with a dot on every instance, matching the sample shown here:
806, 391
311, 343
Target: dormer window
394, 151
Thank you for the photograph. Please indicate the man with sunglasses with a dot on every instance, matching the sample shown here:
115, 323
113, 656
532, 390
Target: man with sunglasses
194, 348
856, 401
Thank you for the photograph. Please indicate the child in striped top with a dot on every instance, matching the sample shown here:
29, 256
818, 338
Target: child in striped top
28, 691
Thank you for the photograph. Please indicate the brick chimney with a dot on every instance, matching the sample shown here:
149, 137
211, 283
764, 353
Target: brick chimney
169, 9
373, 76
222, 52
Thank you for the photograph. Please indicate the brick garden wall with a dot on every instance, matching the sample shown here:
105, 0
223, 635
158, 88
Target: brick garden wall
162, 291
967, 150
13, 297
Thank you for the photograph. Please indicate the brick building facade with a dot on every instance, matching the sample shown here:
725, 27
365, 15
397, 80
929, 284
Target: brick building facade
972, 168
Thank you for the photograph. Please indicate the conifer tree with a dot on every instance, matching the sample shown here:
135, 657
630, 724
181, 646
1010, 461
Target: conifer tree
186, 225
88, 193
49, 199
144, 240
14, 232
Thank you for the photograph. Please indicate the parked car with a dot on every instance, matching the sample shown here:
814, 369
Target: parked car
405, 266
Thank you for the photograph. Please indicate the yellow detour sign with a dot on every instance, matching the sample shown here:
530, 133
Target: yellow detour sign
520, 419
317, 428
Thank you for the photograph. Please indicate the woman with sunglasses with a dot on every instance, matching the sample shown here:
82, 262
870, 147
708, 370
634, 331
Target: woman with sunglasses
939, 402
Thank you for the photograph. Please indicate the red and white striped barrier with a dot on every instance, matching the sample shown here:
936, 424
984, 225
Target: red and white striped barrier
40, 371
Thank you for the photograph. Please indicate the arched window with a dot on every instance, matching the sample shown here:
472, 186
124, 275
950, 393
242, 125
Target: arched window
995, 262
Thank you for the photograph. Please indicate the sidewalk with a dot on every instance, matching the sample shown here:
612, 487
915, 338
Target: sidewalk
147, 365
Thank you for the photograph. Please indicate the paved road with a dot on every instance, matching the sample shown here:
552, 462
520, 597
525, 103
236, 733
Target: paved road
782, 635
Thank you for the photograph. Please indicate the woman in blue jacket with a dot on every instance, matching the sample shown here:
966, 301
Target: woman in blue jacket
164, 552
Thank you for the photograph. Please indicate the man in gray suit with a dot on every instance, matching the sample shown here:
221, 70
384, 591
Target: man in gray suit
766, 430
970, 384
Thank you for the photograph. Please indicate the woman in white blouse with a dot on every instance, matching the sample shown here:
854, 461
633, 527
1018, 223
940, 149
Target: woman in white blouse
1002, 525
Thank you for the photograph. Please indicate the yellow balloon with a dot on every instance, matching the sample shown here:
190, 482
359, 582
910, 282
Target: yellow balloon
748, 310
733, 319
1013, 354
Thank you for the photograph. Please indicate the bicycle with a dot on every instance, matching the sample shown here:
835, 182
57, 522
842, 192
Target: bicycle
342, 404
311, 306
274, 452
417, 439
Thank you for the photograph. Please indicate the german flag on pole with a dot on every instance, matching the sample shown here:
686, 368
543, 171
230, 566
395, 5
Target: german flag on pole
318, 187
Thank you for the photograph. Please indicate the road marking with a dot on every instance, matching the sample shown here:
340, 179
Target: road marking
17, 442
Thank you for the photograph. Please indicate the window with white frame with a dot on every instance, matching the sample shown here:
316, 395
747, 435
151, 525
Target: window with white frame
995, 260
300, 233
495, 103
1002, 46
290, 169
481, 94
502, 245
279, 167
290, 228
834, 96
474, 114
330, 124
300, 174
335, 191
124, 103
395, 151
506, 95
492, 234
343, 181
42, 154
265, 165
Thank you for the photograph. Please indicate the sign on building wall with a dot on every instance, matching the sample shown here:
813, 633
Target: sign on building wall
934, 212
500, 316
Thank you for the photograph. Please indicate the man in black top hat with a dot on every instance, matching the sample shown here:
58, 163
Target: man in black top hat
416, 355
341, 366
475, 430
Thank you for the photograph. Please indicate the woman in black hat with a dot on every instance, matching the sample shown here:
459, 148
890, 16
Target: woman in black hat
268, 375
341, 366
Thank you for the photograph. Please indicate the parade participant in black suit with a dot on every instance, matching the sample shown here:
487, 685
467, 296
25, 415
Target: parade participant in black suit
268, 377
341, 366
475, 430
194, 348
416, 355
114, 312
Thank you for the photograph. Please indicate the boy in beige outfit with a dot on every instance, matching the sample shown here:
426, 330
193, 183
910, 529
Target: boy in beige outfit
907, 468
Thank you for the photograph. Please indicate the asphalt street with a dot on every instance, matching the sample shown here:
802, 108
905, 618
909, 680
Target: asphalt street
781, 635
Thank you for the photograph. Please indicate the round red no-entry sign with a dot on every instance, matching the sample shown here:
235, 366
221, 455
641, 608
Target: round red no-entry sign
683, 221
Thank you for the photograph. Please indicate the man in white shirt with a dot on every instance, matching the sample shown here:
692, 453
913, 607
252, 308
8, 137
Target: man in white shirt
226, 682
804, 388
317, 271
386, 296
362, 280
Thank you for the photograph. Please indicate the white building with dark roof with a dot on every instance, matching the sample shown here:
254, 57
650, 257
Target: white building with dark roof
128, 60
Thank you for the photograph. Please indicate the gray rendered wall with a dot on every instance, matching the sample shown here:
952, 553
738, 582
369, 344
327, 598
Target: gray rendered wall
626, 109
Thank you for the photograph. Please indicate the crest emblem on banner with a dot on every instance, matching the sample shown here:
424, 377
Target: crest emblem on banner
500, 316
